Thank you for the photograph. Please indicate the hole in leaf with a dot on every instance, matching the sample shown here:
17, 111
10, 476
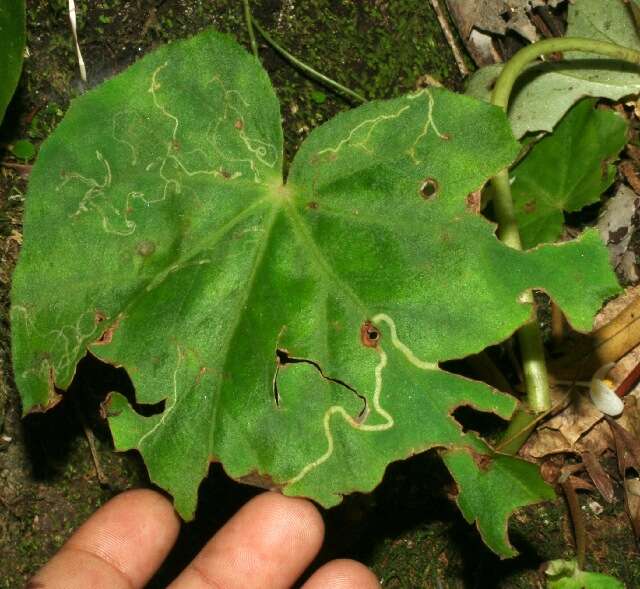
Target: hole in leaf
487, 425
429, 188
369, 335
283, 358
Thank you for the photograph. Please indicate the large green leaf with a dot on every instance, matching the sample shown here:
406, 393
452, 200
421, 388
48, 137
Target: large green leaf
566, 171
12, 40
547, 90
290, 331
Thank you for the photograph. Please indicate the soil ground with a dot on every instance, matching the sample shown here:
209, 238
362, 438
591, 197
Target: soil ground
409, 530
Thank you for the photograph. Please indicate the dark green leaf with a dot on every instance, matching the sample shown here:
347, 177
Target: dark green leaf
12, 40
23, 149
482, 479
566, 170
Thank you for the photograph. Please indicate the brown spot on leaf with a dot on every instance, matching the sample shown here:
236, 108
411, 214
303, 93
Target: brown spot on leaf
34, 584
145, 248
445, 136
257, 479
107, 335
474, 201
239, 124
312, 205
482, 460
369, 335
530, 206
429, 188
225, 174
100, 316
175, 145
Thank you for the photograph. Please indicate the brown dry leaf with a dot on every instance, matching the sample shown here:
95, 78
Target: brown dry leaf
627, 447
617, 332
628, 450
617, 224
579, 427
599, 476
475, 19
632, 502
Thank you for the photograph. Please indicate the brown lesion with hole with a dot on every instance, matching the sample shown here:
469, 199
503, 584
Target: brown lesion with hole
369, 335
429, 189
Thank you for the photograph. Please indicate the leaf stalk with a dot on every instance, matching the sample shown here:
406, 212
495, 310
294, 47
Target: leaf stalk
312, 73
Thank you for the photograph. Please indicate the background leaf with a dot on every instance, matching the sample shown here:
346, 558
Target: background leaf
12, 41
565, 574
290, 331
547, 90
566, 170
482, 480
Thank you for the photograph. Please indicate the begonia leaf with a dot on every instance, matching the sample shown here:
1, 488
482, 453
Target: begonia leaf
566, 170
12, 42
290, 330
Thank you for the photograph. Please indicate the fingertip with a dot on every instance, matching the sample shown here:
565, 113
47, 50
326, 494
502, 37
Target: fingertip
343, 574
294, 513
122, 544
270, 541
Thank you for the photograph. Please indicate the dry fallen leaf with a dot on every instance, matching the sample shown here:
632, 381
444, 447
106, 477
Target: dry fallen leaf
617, 223
475, 19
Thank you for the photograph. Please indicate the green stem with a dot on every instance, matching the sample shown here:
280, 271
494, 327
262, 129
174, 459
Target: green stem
249, 21
517, 432
529, 336
307, 69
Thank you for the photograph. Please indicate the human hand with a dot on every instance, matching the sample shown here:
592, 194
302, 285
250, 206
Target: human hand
267, 544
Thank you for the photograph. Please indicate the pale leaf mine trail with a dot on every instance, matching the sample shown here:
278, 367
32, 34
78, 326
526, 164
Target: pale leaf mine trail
116, 219
362, 426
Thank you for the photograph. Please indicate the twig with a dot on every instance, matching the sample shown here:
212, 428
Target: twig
446, 29
72, 20
630, 381
576, 518
22, 169
88, 434
249, 21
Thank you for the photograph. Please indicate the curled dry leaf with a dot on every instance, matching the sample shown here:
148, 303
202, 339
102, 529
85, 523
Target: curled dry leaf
627, 445
632, 502
475, 19
599, 476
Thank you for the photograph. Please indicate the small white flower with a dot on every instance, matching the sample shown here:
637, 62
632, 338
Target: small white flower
602, 395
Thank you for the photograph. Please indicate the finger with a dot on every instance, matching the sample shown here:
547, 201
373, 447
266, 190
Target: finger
119, 547
267, 544
342, 574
